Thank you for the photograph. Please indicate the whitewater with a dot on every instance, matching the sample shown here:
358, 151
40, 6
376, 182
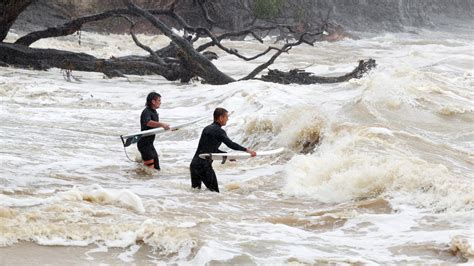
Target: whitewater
376, 170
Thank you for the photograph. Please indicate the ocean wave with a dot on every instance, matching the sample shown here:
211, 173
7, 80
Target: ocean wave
93, 194
97, 194
45, 229
298, 128
361, 165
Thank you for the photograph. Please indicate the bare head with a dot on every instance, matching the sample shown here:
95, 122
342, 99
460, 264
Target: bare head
153, 100
221, 116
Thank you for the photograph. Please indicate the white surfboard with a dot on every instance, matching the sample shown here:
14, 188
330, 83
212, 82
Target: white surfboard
238, 155
129, 139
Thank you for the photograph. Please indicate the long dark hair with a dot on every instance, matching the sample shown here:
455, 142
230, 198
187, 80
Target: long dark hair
151, 96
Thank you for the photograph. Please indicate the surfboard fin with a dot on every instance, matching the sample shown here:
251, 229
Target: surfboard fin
129, 141
224, 159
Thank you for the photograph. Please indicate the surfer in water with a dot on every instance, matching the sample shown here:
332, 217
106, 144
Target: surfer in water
149, 119
212, 137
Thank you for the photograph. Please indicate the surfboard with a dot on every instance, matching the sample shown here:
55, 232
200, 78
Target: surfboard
238, 155
129, 139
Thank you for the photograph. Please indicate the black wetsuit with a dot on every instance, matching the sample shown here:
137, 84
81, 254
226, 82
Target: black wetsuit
212, 137
145, 144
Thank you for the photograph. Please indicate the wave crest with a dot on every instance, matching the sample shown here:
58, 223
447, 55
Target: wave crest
299, 129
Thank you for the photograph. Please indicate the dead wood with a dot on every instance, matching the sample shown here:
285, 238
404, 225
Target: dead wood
297, 76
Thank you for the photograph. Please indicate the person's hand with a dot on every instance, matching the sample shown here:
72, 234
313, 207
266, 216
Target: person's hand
165, 126
252, 153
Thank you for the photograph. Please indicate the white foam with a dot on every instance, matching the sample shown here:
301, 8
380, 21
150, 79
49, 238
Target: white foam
97, 194
127, 256
19, 202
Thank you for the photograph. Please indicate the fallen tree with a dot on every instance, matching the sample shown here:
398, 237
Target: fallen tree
178, 61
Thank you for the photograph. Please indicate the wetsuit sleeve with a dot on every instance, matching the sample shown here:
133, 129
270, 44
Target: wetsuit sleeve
146, 117
229, 143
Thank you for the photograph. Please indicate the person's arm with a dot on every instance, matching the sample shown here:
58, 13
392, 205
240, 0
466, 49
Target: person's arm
222, 136
229, 143
152, 123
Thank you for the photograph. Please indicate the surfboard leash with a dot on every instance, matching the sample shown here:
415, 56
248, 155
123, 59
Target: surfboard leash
125, 150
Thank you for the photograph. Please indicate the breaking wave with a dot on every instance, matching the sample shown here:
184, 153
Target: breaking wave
367, 164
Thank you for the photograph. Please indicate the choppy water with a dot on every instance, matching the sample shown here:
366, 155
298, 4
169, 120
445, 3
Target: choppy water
390, 181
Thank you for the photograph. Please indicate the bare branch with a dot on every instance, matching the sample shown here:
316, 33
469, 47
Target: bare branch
195, 62
204, 12
76, 24
67, 28
284, 49
250, 31
215, 41
154, 56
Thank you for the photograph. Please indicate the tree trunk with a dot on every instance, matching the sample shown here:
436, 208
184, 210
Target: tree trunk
9, 11
42, 59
